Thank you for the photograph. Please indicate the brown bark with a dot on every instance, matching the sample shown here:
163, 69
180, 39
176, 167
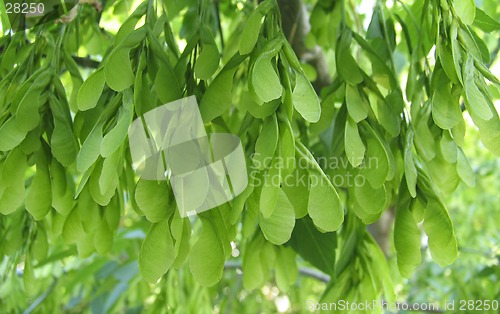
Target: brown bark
295, 22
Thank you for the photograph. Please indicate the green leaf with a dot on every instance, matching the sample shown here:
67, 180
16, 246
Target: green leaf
181, 232
209, 58
418, 210
324, 205
445, 108
286, 269
12, 198
129, 24
409, 167
63, 143
481, 46
406, 236
14, 239
85, 245
114, 138
240, 201
258, 111
456, 50
314, 246
339, 289
372, 200
38, 200
446, 59
292, 57
112, 213
383, 75
95, 187
286, 148
271, 188
253, 269
443, 174
111, 170
27, 115
458, 132
91, 149
152, 197
486, 23
466, 10
166, 84
464, 169
439, 228
424, 140
103, 239
305, 100
12, 182
10, 135
472, 45
356, 105
366, 217
29, 280
91, 90
328, 112
157, 252
118, 69
142, 92
347, 67
62, 192
266, 143
448, 148
387, 118
296, 188
437, 223
354, 147
207, 255
40, 246
379, 172
475, 99
32, 142
251, 32
278, 228
73, 227
264, 82
268, 258
218, 97
490, 133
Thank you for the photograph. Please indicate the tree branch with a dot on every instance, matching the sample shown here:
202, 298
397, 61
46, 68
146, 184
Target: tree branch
305, 271
295, 22
86, 62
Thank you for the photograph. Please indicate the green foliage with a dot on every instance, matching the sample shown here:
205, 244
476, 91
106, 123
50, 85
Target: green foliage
325, 159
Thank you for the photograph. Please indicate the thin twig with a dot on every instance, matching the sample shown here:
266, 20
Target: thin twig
305, 271
86, 62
